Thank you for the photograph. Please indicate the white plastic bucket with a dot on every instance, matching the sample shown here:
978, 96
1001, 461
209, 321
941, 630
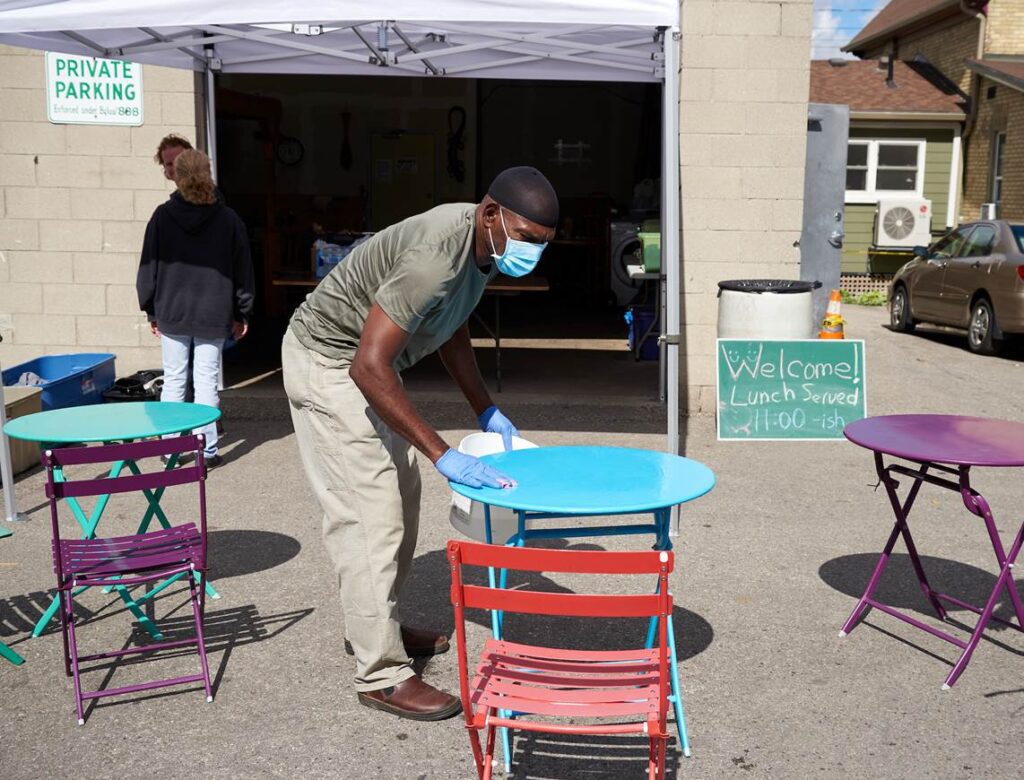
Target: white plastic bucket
757, 311
466, 515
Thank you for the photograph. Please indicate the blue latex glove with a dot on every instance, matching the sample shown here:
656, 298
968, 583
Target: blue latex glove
467, 470
493, 421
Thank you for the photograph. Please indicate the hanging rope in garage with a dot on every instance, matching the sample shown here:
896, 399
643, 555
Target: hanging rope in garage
456, 167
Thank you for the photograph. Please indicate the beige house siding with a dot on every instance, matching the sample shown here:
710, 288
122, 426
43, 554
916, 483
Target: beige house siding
859, 218
946, 46
74, 203
1004, 30
743, 130
1003, 113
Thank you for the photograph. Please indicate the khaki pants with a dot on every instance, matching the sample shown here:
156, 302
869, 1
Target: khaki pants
365, 477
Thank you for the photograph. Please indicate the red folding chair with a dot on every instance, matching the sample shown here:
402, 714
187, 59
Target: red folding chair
626, 691
164, 556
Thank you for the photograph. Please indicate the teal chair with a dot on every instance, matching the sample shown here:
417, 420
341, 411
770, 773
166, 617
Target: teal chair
5, 651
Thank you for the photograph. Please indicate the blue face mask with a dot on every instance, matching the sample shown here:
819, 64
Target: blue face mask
519, 257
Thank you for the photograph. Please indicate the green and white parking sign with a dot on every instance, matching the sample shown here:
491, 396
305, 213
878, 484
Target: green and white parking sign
92, 91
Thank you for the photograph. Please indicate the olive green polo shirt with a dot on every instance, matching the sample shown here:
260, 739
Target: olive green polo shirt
423, 274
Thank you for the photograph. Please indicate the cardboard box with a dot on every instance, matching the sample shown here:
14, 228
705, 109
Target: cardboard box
18, 402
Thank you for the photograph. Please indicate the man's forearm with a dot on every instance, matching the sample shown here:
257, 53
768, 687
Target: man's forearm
386, 395
460, 362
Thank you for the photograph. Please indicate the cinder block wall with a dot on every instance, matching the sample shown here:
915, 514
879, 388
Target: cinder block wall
1003, 113
743, 132
74, 203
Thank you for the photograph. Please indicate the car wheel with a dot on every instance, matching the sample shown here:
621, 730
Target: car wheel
981, 328
899, 311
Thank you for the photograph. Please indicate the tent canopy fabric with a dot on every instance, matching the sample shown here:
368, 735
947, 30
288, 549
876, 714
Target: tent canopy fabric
604, 40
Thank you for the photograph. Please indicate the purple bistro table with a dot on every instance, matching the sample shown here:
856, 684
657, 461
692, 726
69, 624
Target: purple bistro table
944, 449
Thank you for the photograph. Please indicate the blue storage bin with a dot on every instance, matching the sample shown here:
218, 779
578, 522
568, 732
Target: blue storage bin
639, 319
69, 380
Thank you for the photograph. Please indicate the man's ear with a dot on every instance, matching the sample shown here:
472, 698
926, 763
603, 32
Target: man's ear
490, 213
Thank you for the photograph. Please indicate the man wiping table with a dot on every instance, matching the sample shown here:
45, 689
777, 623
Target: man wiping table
405, 293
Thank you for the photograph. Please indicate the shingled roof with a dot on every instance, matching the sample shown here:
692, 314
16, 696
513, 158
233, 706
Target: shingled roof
860, 84
1009, 71
898, 15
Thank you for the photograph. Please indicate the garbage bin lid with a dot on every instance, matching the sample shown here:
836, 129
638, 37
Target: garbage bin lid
769, 285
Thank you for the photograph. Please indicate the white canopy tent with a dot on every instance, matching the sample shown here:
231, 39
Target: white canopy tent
581, 40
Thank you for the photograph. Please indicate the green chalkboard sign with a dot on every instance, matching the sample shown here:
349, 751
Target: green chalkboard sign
789, 389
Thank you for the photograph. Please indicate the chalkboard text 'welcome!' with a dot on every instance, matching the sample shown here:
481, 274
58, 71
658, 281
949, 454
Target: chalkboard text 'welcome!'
789, 389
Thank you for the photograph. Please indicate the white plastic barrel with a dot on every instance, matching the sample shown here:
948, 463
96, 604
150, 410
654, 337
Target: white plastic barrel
766, 309
467, 516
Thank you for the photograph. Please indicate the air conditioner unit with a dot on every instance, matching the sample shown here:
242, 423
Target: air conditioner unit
905, 222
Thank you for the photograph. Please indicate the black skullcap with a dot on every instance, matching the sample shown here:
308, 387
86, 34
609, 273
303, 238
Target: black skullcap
528, 193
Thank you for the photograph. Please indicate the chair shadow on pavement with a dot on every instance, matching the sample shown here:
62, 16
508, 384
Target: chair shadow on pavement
231, 554
537, 756
899, 588
224, 629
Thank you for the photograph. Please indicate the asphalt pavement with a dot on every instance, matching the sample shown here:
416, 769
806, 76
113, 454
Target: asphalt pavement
769, 566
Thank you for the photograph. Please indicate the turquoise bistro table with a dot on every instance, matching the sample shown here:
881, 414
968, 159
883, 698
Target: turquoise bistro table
585, 482
108, 423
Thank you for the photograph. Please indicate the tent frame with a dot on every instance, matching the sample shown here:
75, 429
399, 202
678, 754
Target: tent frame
354, 43
414, 49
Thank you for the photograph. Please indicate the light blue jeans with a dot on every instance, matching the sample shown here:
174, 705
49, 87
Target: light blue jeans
205, 374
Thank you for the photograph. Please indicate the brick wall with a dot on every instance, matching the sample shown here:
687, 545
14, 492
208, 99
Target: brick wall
1003, 113
74, 203
1004, 32
946, 45
743, 125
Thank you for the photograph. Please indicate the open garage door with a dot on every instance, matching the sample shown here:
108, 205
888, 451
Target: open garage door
582, 40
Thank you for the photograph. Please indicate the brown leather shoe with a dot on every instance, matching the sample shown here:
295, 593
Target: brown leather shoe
412, 699
418, 643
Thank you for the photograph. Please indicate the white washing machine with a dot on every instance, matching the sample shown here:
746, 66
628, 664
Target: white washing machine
624, 244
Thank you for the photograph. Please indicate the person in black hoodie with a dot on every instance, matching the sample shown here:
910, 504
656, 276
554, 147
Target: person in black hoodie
195, 283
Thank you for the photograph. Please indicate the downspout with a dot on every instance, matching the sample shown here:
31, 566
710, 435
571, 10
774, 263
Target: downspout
972, 107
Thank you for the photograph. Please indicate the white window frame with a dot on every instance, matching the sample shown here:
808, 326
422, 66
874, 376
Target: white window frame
997, 169
872, 195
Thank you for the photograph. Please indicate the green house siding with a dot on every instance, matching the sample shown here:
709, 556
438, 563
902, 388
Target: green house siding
859, 218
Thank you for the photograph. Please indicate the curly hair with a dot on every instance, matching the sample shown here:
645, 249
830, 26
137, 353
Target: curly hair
167, 142
192, 174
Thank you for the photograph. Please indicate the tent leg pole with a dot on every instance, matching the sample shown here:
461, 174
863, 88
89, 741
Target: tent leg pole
670, 230
6, 472
210, 107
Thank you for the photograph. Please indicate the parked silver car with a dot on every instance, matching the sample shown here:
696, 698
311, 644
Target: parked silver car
971, 278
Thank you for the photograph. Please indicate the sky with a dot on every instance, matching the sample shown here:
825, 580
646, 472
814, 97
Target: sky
837, 21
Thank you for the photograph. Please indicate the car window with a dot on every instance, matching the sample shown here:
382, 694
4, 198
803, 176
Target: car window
949, 245
1018, 234
980, 242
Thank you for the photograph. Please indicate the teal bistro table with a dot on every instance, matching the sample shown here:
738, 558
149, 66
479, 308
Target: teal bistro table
109, 423
587, 482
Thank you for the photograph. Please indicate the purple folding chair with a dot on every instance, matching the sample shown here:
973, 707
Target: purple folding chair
175, 553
